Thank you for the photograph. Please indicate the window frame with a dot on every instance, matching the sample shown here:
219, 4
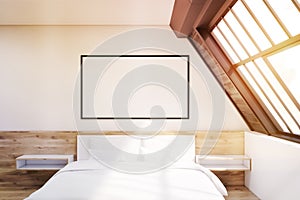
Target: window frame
230, 68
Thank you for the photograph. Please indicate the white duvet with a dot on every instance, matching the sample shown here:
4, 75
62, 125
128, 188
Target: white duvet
89, 180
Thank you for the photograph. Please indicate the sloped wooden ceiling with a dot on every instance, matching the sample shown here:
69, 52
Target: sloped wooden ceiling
194, 19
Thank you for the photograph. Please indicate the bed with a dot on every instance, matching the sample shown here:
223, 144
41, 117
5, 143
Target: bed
89, 178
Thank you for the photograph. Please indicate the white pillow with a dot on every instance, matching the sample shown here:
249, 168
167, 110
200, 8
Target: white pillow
162, 143
112, 148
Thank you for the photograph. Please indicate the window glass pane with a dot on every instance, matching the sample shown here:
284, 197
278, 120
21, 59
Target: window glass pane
287, 65
288, 14
268, 21
251, 83
278, 88
273, 98
251, 26
232, 40
225, 45
240, 33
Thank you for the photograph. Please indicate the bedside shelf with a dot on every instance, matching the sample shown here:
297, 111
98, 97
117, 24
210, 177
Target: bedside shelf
43, 162
225, 162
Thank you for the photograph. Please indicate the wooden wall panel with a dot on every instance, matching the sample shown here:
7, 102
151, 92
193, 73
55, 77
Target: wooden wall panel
14, 144
231, 178
222, 143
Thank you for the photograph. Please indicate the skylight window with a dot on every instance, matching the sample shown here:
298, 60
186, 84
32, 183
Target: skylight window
256, 89
288, 14
262, 40
267, 20
232, 40
245, 18
226, 46
241, 34
287, 66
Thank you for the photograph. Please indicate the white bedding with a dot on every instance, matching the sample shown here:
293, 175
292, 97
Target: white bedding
90, 180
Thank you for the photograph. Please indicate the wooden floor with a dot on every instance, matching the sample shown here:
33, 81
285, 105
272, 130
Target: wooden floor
235, 193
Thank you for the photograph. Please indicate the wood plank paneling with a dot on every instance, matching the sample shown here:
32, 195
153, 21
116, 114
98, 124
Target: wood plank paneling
231, 178
15, 193
222, 143
14, 144
240, 193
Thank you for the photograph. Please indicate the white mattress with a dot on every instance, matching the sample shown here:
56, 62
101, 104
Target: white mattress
89, 180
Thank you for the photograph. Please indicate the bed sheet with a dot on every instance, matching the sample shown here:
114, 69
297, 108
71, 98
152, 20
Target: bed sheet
91, 180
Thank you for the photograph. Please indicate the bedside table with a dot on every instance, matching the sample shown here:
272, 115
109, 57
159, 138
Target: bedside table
225, 162
43, 162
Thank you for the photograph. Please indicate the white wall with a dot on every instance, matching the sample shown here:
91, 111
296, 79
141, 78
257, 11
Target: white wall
87, 12
275, 173
39, 66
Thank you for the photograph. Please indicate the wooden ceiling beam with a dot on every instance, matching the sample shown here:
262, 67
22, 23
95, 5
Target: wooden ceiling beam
185, 13
190, 14
226, 5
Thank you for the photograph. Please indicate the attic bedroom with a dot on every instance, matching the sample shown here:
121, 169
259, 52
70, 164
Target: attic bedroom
173, 99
